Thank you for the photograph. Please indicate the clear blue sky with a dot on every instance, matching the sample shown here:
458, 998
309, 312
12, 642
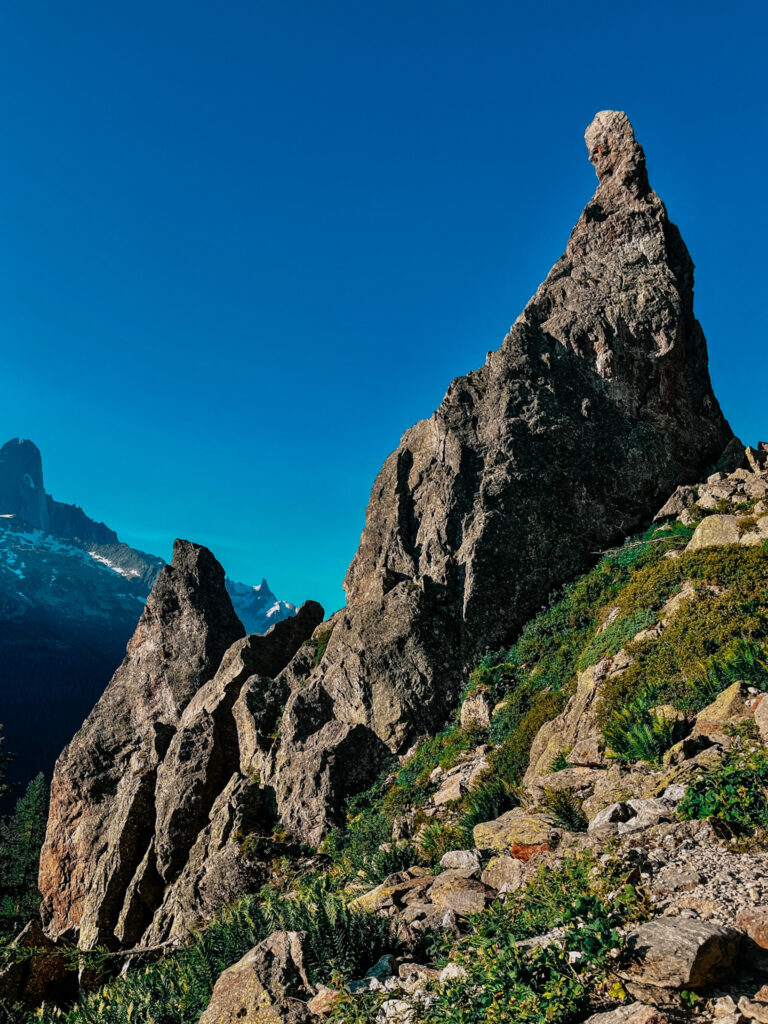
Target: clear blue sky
245, 245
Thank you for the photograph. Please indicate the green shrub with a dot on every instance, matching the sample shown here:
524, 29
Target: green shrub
505, 983
527, 710
740, 660
615, 636
488, 800
714, 638
560, 760
734, 793
437, 839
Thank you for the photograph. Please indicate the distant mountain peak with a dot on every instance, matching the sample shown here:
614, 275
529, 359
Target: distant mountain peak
22, 492
70, 597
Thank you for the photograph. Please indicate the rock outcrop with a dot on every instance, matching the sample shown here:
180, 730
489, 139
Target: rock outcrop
147, 798
596, 406
269, 985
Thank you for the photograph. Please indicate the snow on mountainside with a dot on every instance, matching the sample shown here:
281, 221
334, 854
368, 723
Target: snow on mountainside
257, 607
70, 597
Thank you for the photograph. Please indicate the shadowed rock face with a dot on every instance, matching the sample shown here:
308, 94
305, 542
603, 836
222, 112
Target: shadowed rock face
134, 790
596, 406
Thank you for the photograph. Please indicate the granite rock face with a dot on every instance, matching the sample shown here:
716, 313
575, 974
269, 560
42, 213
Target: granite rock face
136, 799
596, 406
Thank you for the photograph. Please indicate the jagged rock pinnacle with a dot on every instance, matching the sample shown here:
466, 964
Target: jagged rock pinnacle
138, 784
615, 152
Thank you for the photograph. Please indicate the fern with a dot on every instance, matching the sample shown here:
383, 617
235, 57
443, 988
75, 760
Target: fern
566, 809
636, 733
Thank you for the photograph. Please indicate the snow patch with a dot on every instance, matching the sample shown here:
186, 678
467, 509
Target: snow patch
128, 573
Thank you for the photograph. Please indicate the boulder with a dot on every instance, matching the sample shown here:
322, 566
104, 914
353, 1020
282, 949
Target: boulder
384, 967
613, 815
728, 708
395, 891
681, 499
476, 711
760, 709
452, 890
713, 532
504, 873
754, 1010
269, 985
466, 861
754, 535
517, 833
324, 1002
578, 722
680, 953
754, 921
588, 753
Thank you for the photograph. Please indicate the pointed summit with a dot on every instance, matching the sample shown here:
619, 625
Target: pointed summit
616, 154
103, 784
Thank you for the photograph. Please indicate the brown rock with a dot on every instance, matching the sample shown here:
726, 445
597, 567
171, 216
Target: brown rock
411, 970
755, 924
754, 1010
452, 890
33, 980
268, 985
395, 891
588, 753
504, 871
324, 1002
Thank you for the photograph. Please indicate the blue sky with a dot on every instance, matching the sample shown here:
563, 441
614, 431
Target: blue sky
246, 245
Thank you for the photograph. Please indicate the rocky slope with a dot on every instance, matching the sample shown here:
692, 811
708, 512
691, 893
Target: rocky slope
70, 597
